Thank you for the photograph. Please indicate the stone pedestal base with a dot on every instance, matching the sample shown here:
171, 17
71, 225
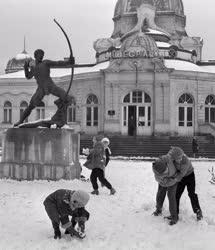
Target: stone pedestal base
38, 153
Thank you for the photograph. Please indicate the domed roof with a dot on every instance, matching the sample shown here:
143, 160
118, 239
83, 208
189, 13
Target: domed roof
141, 45
169, 15
17, 62
129, 6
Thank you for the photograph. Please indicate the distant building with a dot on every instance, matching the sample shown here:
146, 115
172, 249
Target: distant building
149, 78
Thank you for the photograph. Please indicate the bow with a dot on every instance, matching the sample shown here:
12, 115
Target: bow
71, 55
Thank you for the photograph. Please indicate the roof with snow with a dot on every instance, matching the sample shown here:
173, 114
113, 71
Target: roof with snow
179, 65
60, 72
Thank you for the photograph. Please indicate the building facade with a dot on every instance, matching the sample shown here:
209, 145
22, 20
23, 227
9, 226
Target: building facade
149, 79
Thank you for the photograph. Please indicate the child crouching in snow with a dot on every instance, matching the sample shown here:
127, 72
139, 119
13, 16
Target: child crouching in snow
164, 169
63, 203
96, 162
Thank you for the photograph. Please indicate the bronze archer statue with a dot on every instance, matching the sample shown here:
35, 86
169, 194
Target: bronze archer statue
40, 70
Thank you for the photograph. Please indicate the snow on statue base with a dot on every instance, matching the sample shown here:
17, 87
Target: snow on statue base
40, 153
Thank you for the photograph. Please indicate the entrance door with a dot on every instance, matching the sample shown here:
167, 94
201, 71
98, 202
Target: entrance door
144, 120
185, 121
132, 120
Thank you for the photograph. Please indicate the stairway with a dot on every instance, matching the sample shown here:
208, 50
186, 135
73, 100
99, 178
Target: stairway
154, 146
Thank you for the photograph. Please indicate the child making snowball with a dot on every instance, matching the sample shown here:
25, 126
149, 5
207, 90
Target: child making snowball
63, 203
96, 162
164, 169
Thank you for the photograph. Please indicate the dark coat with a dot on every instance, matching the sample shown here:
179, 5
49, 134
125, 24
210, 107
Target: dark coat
96, 158
58, 208
195, 146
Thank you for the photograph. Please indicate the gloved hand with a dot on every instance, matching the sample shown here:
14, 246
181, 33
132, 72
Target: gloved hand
26, 64
72, 59
73, 232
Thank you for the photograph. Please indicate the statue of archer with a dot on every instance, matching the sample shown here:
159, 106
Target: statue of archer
40, 70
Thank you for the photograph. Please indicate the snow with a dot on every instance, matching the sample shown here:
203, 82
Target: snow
120, 222
22, 56
163, 44
60, 72
187, 66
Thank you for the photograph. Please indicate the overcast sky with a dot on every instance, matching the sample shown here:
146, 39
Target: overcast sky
84, 21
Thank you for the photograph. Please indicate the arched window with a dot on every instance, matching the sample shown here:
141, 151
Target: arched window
185, 110
23, 106
137, 97
7, 112
185, 98
210, 109
92, 110
40, 111
71, 111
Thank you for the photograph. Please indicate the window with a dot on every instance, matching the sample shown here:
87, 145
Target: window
92, 111
40, 111
185, 110
23, 106
210, 109
185, 98
71, 111
7, 112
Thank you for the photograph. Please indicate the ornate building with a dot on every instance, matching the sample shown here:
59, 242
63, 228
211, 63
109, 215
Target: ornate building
149, 78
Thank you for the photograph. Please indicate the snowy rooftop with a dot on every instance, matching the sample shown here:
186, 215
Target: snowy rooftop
61, 72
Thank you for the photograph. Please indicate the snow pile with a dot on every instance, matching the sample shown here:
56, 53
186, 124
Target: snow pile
119, 222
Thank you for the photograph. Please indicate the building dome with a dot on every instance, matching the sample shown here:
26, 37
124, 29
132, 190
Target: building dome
16, 63
139, 45
129, 6
169, 16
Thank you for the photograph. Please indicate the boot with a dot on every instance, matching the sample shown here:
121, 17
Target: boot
96, 192
157, 212
112, 191
57, 234
172, 222
199, 215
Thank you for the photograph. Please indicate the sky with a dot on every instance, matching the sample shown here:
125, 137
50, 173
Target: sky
84, 21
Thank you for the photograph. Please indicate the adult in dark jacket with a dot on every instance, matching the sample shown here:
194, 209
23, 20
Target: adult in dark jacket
195, 147
63, 203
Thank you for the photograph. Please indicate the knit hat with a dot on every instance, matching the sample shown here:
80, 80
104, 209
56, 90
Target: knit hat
159, 166
105, 139
81, 197
176, 153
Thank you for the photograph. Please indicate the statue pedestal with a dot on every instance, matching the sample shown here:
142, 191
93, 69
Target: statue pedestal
40, 154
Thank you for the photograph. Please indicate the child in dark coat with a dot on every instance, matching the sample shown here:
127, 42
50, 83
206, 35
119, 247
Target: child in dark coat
96, 161
185, 178
164, 170
63, 203
106, 143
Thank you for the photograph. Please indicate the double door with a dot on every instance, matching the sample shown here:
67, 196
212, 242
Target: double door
136, 120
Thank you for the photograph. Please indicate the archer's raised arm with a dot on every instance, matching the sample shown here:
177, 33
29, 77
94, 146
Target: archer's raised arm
55, 64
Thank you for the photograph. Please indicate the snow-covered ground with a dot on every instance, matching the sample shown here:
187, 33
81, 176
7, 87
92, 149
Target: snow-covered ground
119, 222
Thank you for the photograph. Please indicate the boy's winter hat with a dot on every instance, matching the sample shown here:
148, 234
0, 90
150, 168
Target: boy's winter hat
176, 152
159, 166
81, 197
105, 139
